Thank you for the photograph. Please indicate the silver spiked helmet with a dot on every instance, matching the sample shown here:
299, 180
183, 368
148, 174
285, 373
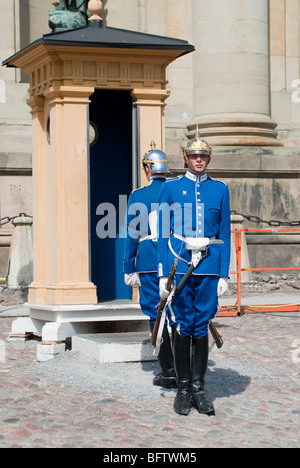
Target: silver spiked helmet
156, 160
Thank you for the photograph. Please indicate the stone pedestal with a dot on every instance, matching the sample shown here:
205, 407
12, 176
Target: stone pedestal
237, 224
115, 347
20, 264
57, 323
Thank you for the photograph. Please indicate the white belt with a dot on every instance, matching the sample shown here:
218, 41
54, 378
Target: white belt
197, 245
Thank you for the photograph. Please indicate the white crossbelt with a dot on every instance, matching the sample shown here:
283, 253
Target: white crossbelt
153, 217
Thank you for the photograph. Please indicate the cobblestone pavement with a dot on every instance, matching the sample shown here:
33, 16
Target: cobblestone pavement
70, 402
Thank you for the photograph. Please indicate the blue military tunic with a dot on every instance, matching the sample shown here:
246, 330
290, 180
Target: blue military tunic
194, 206
141, 243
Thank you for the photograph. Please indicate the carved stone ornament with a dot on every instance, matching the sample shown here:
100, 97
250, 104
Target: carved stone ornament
95, 8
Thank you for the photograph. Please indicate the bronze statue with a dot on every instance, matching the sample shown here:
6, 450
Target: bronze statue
73, 5
69, 14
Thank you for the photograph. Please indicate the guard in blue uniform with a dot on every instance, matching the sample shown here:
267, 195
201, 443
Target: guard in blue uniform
140, 257
198, 208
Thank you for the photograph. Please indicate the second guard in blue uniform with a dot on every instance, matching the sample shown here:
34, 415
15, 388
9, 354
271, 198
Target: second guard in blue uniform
140, 256
193, 207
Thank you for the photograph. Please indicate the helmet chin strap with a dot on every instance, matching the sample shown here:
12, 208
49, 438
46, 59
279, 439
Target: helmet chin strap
189, 166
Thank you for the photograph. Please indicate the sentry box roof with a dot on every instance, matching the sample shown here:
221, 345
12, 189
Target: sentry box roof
95, 35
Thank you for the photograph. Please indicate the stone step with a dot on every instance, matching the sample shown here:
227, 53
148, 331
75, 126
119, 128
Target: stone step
115, 347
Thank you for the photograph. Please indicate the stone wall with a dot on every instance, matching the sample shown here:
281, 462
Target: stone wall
241, 82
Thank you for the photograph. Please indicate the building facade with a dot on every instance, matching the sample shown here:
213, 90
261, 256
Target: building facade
241, 86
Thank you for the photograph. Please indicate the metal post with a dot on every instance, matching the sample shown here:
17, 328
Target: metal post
238, 267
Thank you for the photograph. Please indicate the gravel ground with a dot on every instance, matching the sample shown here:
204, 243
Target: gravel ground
73, 402
72, 370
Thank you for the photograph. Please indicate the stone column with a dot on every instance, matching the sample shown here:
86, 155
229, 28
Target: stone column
61, 238
231, 72
39, 228
151, 105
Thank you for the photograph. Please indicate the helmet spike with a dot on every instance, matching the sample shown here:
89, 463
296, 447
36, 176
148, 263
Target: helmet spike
152, 144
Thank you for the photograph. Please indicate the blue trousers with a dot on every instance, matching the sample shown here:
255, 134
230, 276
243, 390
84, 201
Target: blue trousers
195, 305
149, 295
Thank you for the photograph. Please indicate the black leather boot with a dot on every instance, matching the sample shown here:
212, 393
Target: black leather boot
181, 351
167, 377
198, 370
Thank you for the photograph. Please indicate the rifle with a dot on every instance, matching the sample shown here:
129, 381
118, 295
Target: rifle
215, 334
162, 302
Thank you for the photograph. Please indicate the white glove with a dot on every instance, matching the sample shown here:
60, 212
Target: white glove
163, 292
132, 279
222, 286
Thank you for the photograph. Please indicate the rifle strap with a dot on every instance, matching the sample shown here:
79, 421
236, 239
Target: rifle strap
175, 254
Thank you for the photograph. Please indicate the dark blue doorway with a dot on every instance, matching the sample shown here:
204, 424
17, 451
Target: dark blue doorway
110, 113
